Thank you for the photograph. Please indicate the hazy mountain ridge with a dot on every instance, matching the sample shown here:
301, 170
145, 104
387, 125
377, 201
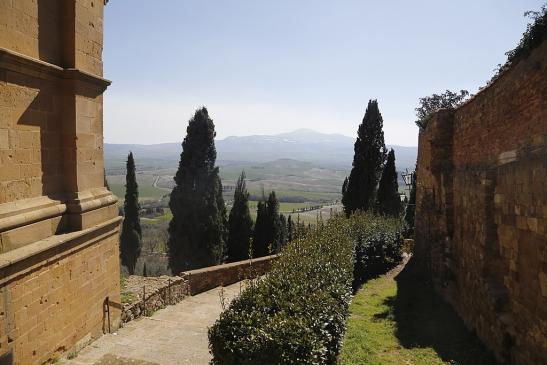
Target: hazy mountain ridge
303, 145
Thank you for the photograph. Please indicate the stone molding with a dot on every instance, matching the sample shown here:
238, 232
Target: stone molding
22, 212
52, 248
83, 210
84, 201
30, 66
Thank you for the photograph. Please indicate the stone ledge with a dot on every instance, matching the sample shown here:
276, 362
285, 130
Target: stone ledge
88, 200
23, 212
201, 280
26, 65
52, 248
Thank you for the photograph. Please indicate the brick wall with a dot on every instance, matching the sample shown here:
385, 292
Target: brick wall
481, 222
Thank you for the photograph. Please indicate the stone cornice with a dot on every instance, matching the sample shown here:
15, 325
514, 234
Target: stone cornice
27, 211
20, 213
52, 248
30, 66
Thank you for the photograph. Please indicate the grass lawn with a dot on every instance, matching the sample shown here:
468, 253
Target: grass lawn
396, 319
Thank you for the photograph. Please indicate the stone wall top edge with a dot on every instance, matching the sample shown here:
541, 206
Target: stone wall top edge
492, 85
504, 74
227, 266
53, 242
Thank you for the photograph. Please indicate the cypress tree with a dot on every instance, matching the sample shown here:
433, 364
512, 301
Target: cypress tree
273, 226
283, 230
197, 231
131, 235
388, 199
370, 153
260, 239
290, 229
240, 224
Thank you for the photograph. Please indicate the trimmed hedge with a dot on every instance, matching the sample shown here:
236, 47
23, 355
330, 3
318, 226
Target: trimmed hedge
379, 245
297, 313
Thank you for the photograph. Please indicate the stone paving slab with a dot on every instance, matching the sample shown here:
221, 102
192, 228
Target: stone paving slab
171, 336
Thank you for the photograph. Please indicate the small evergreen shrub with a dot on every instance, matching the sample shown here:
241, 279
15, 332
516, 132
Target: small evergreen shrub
379, 245
297, 313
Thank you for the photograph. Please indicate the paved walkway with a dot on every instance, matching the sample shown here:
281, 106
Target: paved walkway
171, 336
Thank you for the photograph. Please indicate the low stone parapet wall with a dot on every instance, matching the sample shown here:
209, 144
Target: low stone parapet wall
201, 280
145, 295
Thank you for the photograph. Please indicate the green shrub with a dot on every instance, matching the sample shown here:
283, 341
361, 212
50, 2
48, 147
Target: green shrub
297, 313
379, 245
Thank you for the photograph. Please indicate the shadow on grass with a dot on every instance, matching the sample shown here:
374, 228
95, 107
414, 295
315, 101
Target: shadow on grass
424, 319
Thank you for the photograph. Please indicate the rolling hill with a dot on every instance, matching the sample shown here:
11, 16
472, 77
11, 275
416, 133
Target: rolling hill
326, 150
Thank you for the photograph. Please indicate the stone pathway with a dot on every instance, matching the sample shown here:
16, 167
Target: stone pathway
171, 336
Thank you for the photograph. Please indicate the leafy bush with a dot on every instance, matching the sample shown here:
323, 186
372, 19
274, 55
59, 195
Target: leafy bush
379, 245
431, 104
535, 33
297, 313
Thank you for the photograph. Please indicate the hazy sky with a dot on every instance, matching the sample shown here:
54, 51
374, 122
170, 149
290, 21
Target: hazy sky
264, 67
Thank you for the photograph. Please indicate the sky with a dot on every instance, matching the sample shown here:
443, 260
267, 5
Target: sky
267, 67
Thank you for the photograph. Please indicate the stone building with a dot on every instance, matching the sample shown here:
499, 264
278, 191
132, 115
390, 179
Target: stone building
481, 210
59, 260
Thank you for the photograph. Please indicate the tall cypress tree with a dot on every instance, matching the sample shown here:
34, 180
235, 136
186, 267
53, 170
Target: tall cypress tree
290, 229
388, 199
197, 231
273, 226
131, 235
260, 238
240, 224
283, 230
370, 153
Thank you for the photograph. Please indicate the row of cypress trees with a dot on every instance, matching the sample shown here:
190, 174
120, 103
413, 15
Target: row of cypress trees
200, 234
270, 230
372, 183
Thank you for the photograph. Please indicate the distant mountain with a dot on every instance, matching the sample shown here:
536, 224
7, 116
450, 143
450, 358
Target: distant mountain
302, 144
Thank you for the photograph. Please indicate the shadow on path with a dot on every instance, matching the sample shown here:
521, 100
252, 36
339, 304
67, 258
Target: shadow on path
424, 319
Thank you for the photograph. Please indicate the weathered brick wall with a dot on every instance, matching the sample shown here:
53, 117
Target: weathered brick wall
481, 222
59, 260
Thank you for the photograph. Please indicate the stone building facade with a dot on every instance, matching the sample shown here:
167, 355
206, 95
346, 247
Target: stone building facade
481, 210
59, 260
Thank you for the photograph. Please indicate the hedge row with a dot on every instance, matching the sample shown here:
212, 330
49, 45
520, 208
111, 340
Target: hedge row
378, 245
297, 313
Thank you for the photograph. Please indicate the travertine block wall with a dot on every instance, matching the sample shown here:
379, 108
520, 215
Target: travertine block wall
54, 305
59, 266
481, 220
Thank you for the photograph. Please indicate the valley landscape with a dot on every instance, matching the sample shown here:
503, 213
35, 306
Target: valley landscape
304, 167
